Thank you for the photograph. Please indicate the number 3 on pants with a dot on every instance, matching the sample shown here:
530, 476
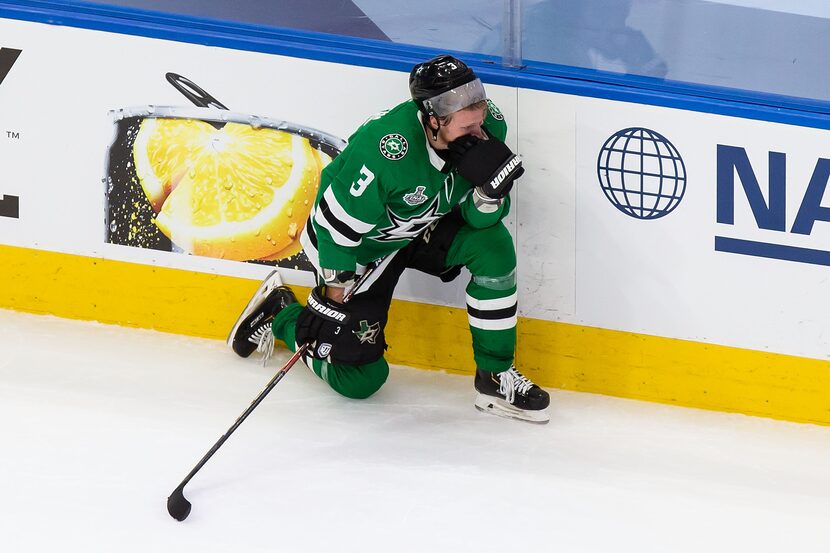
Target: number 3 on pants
365, 180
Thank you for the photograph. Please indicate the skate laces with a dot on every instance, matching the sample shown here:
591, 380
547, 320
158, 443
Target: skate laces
264, 340
513, 381
266, 346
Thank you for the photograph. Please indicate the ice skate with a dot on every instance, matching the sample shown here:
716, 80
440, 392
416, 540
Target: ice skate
252, 329
512, 395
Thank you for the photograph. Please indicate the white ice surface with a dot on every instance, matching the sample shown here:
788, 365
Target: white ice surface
100, 423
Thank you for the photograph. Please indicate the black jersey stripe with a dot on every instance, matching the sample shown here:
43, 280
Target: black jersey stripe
309, 227
336, 223
493, 314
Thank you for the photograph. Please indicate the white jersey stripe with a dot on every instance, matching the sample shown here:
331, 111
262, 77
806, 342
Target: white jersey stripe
492, 305
493, 324
309, 249
338, 238
341, 215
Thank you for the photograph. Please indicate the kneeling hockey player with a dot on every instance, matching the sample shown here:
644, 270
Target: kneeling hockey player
423, 185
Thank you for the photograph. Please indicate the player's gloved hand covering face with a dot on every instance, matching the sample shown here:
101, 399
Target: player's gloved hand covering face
322, 324
488, 164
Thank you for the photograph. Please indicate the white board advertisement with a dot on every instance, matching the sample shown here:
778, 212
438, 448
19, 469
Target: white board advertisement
676, 223
173, 154
629, 217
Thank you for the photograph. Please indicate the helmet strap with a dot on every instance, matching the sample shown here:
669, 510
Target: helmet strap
429, 122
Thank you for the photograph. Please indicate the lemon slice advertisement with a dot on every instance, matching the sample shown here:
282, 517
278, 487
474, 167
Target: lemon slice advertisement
236, 193
209, 182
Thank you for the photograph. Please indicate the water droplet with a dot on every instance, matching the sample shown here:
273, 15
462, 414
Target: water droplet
227, 185
292, 230
269, 181
113, 226
257, 232
290, 212
268, 237
305, 202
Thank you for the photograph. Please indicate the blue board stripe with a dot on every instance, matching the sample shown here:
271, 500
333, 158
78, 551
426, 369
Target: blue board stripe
772, 251
399, 57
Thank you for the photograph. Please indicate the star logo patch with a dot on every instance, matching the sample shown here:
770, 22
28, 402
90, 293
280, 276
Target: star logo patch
494, 111
393, 146
406, 229
368, 332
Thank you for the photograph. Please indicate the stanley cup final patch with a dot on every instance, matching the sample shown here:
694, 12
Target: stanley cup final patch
417, 197
393, 146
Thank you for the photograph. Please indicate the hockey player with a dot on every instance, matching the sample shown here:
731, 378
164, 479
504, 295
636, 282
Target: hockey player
423, 185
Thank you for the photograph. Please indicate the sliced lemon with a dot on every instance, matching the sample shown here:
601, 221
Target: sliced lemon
292, 249
163, 152
236, 193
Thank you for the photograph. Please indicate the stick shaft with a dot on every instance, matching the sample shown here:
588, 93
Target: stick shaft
270, 386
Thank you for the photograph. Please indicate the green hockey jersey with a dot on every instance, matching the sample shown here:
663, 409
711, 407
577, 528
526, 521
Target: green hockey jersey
387, 186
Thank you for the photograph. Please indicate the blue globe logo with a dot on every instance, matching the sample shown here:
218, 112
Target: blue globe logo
641, 173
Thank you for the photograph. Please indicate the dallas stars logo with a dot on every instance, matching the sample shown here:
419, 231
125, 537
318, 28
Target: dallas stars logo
494, 111
406, 229
368, 332
393, 146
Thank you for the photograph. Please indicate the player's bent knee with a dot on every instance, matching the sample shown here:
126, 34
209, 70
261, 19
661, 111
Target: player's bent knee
360, 382
494, 253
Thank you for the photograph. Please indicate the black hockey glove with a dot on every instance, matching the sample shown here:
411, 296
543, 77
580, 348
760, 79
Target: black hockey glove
321, 324
489, 165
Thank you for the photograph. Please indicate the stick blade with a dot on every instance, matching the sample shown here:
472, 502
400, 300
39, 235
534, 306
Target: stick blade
177, 505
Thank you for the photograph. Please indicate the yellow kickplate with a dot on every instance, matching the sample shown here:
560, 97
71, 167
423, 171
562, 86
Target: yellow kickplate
553, 354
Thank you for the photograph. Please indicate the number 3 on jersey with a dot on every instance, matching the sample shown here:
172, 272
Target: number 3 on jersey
365, 180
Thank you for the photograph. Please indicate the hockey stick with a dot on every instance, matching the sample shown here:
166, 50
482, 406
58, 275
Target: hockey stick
177, 505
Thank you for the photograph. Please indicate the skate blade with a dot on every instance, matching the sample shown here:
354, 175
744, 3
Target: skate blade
500, 408
272, 281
